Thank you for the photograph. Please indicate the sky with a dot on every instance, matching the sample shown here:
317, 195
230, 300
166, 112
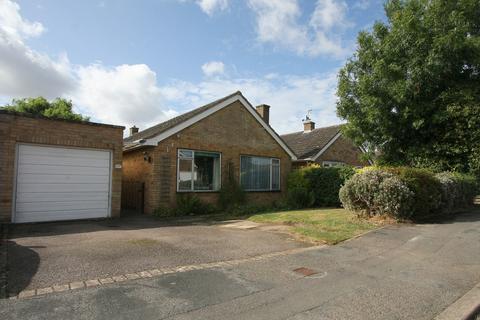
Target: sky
130, 62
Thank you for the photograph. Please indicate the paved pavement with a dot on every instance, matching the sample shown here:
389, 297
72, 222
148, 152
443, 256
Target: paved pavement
41, 255
399, 272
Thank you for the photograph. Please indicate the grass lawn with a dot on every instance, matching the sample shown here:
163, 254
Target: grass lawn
319, 225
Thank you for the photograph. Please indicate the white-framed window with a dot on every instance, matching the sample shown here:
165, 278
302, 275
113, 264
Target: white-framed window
198, 171
259, 173
328, 164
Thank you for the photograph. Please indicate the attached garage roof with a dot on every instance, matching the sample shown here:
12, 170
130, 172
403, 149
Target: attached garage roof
308, 145
37, 116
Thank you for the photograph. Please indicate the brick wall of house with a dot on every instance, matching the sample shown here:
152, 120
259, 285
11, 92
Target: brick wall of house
137, 169
233, 131
15, 128
343, 150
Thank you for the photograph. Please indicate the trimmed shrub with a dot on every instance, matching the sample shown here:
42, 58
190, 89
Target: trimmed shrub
326, 182
187, 205
458, 190
427, 190
299, 194
403, 192
317, 186
377, 192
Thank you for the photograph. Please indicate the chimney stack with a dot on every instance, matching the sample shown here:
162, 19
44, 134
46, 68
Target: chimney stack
133, 130
308, 124
264, 112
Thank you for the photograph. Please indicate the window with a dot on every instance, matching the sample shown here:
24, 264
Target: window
198, 171
259, 173
328, 164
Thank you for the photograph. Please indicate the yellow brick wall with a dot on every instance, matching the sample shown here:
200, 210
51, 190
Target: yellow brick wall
345, 151
21, 129
232, 131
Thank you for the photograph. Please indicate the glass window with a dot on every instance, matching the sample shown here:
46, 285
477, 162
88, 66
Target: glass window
198, 170
259, 173
328, 164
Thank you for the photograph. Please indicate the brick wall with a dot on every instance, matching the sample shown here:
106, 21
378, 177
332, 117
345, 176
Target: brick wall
343, 150
16, 128
233, 131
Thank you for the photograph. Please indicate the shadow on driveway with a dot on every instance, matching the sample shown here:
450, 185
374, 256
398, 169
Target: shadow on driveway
22, 265
127, 222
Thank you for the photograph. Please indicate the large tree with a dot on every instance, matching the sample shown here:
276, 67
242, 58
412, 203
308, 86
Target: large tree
412, 89
58, 108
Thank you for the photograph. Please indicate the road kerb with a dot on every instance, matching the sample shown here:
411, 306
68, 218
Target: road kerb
464, 308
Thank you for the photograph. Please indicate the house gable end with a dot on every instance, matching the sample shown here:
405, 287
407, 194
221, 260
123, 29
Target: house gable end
223, 104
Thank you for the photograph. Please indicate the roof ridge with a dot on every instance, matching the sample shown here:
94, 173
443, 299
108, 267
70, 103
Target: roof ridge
327, 127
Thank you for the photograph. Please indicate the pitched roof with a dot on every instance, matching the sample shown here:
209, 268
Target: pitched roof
164, 126
308, 144
155, 134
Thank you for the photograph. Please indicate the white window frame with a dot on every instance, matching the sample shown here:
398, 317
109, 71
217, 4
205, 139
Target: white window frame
331, 164
192, 171
271, 176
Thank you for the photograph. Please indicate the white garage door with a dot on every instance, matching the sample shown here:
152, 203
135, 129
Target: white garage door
61, 184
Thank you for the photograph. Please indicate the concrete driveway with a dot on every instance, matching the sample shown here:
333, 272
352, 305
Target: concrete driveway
42, 255
399, 272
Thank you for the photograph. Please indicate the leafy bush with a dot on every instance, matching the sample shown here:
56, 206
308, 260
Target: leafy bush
427, 190
317, 186
299, 194
458, 190
376, 192
403, 192
187, 205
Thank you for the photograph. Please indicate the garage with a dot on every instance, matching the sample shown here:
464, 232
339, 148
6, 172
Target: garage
54, 183
57, 169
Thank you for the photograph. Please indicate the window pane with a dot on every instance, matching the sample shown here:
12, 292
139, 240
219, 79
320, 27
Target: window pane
255, 173
188, 154
275, 174
185, 174
206, 172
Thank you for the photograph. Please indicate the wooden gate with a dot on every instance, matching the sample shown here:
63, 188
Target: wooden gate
133, 196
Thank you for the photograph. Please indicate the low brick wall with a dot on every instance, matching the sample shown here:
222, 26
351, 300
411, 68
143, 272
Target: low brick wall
19, 128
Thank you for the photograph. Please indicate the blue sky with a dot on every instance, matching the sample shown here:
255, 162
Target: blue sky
140, 62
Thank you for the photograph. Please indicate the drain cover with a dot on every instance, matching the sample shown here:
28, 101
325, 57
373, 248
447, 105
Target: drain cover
305, 271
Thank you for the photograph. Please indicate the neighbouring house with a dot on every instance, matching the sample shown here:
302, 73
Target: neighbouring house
324, 146
198, 151
58, 169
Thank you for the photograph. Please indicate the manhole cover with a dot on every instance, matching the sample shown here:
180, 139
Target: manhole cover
305, 271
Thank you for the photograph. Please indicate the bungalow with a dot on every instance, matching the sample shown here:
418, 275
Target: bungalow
324, 146
198, 151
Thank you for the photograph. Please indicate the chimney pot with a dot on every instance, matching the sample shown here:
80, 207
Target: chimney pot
133, 130
264, 112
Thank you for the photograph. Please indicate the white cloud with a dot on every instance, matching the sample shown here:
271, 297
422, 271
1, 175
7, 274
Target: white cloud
362, 4
13, 26
289, 96
130, 94
278, 24
213, 68
211, 6
23, 71
125, 94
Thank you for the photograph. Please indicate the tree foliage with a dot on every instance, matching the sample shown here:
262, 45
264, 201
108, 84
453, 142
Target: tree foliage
58, 108
412, 89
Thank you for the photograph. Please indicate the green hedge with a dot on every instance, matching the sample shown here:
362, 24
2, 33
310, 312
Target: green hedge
403, 192
317, 186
